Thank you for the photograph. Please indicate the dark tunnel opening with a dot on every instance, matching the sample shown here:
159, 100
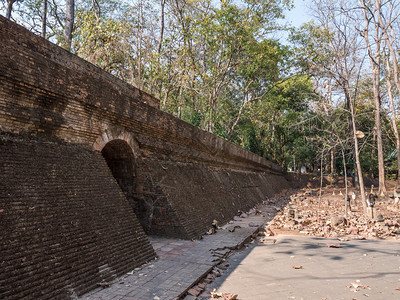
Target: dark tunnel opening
121, 161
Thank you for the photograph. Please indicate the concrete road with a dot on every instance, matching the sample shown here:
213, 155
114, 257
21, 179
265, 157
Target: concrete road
359, 269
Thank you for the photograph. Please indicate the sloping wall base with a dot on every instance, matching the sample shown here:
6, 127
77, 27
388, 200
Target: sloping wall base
66, 225
186, 198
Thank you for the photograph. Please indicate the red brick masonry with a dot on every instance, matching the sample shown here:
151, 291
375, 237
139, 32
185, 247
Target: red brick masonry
88, 164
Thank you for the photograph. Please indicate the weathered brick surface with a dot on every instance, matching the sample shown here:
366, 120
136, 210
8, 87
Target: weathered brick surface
61, 112
188, 197
65, 223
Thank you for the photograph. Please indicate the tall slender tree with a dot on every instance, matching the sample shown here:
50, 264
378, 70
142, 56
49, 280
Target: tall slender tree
392, 69
69, 23
44, 19
371, 12
334, 47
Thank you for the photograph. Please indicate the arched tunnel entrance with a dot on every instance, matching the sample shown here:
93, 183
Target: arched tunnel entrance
121, 161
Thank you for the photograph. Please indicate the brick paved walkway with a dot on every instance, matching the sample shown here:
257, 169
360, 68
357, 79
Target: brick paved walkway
181, 263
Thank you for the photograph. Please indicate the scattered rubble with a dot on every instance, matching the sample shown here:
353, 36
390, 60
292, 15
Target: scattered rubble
307, 213
195, 291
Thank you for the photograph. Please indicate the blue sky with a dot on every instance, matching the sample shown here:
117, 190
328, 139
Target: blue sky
300, 13
296, 17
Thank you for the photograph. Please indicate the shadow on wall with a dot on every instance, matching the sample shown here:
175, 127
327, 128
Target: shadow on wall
186, 198
122, 163
63, 219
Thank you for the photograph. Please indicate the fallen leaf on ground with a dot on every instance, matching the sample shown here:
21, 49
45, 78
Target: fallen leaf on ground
215, 294
333, 245
297, 267
104, 284
229, 296
357, 285
269, 232
267, 241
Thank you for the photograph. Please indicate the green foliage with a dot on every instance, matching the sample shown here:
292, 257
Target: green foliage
101, 41
217, 67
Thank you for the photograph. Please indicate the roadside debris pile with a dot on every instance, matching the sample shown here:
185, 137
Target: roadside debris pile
307, 213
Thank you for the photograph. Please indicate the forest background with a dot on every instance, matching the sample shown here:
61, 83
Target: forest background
326, 97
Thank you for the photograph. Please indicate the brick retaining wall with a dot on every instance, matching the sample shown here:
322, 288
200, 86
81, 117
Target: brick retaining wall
67, 223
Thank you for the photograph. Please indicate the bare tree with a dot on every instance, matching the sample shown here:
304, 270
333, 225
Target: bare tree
392, 108
370, 18
390, 37
343, 64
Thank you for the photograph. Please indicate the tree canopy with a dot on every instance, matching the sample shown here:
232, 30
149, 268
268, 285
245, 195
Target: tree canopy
223, 66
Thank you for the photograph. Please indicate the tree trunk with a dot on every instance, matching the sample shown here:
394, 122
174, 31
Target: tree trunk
96, 9
321, 175
139, 38
180, 102
345, 182
161, 26
44, 19
389, 42
211, 113
377, 104
375, 66
373, 154
356, 153
394, 125
9, 8
69, 23
378, 128
164, 102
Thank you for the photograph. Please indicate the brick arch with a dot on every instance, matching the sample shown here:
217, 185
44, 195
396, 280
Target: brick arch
115, 133
120, 150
